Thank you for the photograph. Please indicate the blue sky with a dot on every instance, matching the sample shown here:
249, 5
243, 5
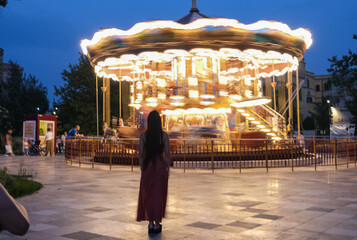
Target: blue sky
43, 36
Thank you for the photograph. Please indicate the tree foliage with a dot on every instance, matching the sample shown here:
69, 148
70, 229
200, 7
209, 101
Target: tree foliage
21, 95
4, 119
3, 3
344, 75
77, 98
309, 123
76, 104
323, 115
4, 124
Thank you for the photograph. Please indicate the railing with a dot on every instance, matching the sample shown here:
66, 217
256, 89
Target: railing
270, 118
215, 154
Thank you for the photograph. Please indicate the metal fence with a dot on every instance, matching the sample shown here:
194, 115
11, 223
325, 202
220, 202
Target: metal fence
214, 153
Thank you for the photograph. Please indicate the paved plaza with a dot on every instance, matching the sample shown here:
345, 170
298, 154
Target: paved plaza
85, 203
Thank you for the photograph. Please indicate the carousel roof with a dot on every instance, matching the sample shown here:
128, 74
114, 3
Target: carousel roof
262, 40
192, 16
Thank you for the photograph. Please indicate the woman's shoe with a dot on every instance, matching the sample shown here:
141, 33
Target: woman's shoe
158, 229
151, 229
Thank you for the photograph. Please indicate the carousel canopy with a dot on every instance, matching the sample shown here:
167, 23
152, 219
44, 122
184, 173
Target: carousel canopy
197, 61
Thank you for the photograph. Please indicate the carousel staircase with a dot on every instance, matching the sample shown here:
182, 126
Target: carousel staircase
265, 119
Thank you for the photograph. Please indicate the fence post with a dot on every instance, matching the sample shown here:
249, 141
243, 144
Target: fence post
266, 154
335, 151
65, 153
110, 153
212, 157
315, 152
184, 156
240, 156
347, 152
132, 155
93, 153
71, 151
80, 151
87, 148
355, 146
292, 155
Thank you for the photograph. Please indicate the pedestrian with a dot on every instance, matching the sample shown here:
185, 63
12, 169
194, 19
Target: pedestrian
154, 159
74, 132
58, 144
121, 122
26, 146
49, 140
8, 143
63, 139
301, 141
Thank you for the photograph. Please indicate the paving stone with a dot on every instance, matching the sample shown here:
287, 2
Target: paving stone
245, 203
81, 235
97, 209
267, 216
203, 225
254, 210
320, 209
233, 194
244, 224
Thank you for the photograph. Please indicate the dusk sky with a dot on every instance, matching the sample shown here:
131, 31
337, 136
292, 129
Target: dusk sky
43, 36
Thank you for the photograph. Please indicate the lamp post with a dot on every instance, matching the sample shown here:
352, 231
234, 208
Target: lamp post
120, 97
332, 112
298, 101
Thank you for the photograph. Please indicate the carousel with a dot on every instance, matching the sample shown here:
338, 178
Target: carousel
204, 75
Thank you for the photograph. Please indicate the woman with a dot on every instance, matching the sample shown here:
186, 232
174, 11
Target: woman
154, 173
8, 143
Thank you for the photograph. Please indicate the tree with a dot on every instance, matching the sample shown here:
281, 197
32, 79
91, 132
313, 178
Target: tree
344, 75
4, 125
4, 120
14, 97
77, 98
3, 3
323, 115
22, 95
76, 104
309, 123
35, 88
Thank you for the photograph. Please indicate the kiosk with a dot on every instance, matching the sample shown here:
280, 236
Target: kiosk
35, 128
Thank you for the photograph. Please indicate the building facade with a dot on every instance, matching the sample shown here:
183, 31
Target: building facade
313, 90
5, 68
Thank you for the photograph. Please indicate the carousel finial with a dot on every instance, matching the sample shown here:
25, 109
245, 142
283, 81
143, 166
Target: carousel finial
194, 6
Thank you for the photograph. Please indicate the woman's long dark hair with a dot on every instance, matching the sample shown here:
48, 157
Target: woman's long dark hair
154, 139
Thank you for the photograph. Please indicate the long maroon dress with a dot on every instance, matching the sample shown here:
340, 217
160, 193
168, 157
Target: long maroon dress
153, 183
